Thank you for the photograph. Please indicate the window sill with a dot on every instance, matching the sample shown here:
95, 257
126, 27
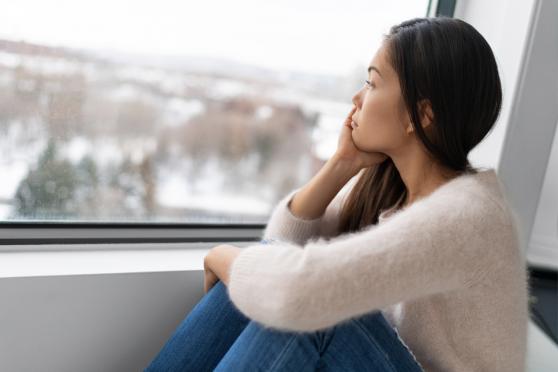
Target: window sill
104, 258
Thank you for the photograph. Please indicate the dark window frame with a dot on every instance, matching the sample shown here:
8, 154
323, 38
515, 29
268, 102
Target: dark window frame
445, 8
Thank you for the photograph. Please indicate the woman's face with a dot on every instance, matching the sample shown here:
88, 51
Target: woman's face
381, 114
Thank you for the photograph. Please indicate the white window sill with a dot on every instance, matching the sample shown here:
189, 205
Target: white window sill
52, 260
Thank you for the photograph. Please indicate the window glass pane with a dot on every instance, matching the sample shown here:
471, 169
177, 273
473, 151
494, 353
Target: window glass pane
205, 111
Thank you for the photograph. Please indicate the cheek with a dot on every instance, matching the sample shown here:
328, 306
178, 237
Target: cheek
380, 123
380, 112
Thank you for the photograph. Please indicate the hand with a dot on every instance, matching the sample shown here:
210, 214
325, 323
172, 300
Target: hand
209, 277
347, 150
217, 264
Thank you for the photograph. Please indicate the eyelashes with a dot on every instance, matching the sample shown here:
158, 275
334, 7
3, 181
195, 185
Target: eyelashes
369, 83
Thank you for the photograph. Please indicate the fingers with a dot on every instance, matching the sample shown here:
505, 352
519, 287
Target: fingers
352, 112
348, 120
210, 279
350, 115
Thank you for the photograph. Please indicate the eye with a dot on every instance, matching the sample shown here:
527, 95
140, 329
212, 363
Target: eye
369, 83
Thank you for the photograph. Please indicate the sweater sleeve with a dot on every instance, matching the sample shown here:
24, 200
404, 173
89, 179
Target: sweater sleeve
427, 248
285, 226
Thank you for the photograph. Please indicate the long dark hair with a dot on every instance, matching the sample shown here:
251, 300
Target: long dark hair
448, 62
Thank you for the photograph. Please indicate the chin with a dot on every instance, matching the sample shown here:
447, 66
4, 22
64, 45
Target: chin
361, 147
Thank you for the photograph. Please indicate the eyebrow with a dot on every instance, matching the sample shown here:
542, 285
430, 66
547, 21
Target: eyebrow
370, 68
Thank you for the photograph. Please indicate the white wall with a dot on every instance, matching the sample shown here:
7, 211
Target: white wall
524, 37
92, 323
543, 244
505, 25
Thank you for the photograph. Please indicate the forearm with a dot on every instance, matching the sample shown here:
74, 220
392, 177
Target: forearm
311, 201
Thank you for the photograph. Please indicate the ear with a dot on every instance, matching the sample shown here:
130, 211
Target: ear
425, 113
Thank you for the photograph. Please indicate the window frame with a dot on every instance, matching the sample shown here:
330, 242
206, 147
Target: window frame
49, 232
441, 8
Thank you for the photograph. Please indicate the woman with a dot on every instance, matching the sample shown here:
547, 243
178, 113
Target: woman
419, 268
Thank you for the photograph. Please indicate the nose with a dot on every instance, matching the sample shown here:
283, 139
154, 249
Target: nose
357, 99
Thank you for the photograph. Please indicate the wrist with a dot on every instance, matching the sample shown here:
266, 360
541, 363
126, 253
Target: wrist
342, 168
219, 260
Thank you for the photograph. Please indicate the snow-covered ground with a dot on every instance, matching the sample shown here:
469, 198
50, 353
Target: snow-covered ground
22, 143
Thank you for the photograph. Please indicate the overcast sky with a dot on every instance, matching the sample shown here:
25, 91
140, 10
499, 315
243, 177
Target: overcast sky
305, 35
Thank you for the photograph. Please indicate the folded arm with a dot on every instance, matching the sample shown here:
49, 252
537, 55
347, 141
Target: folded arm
426, 249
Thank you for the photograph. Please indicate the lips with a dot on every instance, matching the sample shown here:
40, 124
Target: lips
354, 123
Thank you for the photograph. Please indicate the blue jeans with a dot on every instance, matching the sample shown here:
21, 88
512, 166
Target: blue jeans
216, 336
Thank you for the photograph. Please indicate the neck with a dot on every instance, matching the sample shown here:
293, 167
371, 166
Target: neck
421, 182
425, 189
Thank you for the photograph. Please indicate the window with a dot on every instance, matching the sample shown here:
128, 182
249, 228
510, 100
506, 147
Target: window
167, 112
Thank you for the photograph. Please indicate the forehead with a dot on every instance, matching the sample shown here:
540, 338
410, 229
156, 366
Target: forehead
381, 63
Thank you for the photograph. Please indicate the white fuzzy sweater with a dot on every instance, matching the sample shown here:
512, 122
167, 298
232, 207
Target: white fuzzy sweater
446, 271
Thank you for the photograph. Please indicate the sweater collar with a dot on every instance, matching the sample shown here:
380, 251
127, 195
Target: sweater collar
485, 178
